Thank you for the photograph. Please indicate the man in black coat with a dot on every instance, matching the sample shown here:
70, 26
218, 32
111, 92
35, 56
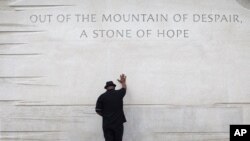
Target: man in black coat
110, 106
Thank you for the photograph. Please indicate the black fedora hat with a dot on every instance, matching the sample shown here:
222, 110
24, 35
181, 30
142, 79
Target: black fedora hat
109, 83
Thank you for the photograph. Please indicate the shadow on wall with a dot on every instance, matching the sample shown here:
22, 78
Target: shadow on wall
244, 3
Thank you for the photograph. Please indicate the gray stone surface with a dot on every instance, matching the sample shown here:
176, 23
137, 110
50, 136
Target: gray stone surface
178, 89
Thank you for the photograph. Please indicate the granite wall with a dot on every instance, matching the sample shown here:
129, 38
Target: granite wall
186, 88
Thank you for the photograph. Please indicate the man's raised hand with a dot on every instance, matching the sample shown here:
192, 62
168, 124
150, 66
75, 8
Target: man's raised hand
122, 79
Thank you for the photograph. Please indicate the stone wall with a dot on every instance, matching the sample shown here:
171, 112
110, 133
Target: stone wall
179, 89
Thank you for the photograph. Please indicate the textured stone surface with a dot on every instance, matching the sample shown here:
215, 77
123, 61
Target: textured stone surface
178, 89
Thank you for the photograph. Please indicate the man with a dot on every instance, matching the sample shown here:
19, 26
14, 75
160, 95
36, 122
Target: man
110, 106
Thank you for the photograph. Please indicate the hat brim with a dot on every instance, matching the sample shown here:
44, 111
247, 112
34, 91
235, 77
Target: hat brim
109, 85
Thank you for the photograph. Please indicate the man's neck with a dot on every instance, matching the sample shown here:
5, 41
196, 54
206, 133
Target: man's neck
110, 89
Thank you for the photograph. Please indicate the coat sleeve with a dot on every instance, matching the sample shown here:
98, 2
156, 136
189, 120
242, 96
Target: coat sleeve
99, 106
122, 92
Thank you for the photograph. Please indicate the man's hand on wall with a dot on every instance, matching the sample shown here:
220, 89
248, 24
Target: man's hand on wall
122, 79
